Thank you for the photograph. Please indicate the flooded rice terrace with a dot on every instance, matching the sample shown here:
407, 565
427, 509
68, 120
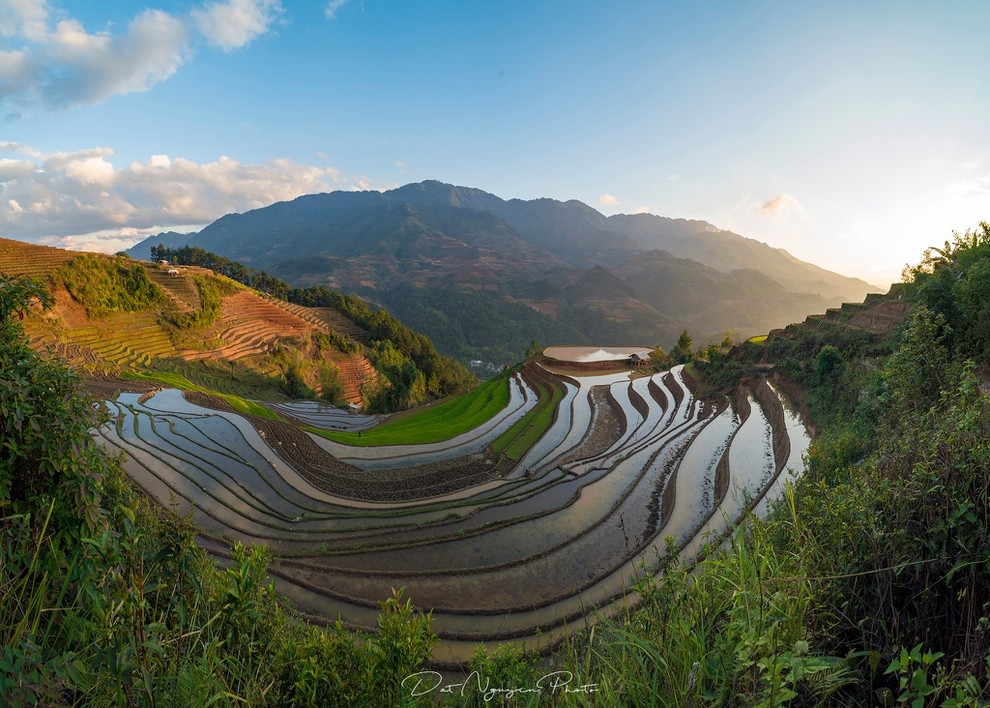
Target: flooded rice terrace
523, 554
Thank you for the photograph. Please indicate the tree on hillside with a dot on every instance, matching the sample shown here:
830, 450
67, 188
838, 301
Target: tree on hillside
533, 351
294, 383
660, 359
331, 388
681, 352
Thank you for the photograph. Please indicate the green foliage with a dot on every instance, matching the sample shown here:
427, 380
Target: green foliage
954, 282
911, 669
294, 383
493, 675
681, 353
331, 388
405, 383
211, 294
533, 350
335, 341
404, 644
334, 667
828, 364
104, 286
734, 631
660, 360
44, 426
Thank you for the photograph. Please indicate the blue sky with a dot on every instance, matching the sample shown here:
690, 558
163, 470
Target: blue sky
851, 134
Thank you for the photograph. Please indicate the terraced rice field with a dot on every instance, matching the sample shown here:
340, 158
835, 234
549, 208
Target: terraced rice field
29, 261
523, 548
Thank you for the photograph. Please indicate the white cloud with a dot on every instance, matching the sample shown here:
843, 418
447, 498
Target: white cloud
234, 23
53, 62
13, 169
608, 200
27, 18
93, 170
63, 66
978, 186
333, 6
780, 205
60, 195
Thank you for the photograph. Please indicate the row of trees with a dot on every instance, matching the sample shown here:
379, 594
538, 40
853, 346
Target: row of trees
682, 352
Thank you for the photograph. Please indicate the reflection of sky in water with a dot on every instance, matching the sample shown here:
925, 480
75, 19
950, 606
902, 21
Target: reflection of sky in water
589, 354
562, 551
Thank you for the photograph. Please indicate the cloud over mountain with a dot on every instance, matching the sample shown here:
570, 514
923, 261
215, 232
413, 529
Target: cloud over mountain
779, 205
69, 194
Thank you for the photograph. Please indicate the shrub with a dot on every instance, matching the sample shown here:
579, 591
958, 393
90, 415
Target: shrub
104, 286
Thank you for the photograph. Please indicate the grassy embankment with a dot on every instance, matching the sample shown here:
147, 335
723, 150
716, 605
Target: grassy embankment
433, 423
521, 436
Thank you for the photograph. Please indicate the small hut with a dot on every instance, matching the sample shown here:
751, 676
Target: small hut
639, 360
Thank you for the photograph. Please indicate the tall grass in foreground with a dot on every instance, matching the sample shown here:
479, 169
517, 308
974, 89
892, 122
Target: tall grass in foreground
733, 630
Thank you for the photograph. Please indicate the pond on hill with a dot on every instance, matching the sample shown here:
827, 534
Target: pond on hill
589, 354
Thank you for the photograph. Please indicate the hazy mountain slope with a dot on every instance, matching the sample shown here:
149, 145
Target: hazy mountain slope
714, 301
727, 251
169, 239
572, 231
579, 272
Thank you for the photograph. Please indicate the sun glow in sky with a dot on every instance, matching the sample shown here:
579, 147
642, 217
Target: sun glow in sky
851, 134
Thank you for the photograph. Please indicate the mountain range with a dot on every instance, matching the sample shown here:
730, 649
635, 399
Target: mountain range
483, 276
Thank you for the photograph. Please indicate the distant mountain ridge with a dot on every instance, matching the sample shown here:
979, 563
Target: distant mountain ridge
458, 262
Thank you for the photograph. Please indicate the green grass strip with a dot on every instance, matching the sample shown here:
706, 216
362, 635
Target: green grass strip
543, 395
241, 405
433, 423
524, 433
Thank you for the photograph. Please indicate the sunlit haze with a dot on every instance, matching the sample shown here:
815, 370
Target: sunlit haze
851, 134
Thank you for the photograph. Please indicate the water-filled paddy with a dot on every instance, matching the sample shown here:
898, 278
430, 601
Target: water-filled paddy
591, 354
556, 536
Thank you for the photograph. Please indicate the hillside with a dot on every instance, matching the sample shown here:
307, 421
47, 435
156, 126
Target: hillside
243, 348
459, 262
